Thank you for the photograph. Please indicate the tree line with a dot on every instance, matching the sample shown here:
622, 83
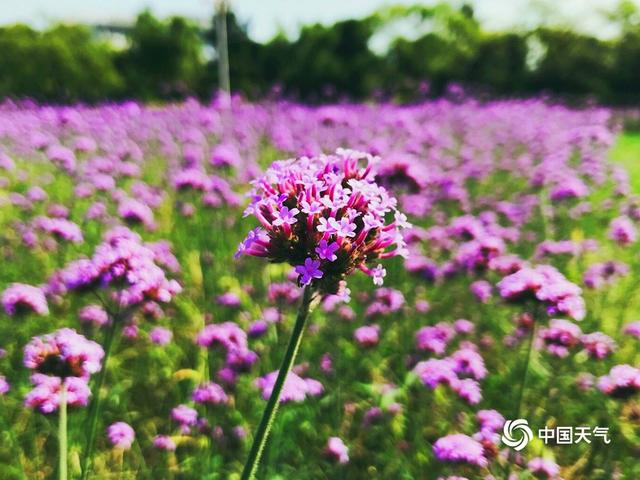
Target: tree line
174, 58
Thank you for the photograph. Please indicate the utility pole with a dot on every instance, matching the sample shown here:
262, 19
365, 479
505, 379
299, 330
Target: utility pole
222, 48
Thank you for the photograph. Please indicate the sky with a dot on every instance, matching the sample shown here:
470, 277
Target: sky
267, 17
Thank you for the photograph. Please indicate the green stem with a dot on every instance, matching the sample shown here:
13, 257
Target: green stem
525, 370
62, 433
95, 405
523, 384
260, 438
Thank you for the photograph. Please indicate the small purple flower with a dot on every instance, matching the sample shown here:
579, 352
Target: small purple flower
295, 388
621, 382
209, 392
460, 448
560, 337
160, 336
337, 450
94, 314
187, 417
258, 328
598, 345
45, 395
63, 353
367, 335
286, 216
309, 271
544, 468
164, 442
481, 289
4, 385
121, 435
623, 231
632, 328
19, 297
326, 250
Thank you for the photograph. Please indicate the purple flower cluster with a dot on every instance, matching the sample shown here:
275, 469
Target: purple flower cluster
460, 371
19, 297
337, 450
546, 285
621, 382
121, 435
63, 353
560, 337
124, 263
460, 448
232, 339
326, 216
295, 388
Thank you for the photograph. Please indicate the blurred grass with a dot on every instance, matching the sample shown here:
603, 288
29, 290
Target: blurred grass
626, 151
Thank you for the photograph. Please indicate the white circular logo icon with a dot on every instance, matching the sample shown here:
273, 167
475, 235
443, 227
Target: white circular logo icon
516, 434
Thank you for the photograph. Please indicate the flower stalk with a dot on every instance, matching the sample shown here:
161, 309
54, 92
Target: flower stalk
269, 414
95, 405
62, 433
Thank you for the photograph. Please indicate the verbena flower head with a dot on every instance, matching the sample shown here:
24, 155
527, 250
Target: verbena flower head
327, 217
621, 382
460, 448
122, 261
295, 388
19, 297
164, 442
4, 385
63, 353
209, 392
121, 435
544, 468
560, 337
337, 450
45, 395
598, 345
547, 285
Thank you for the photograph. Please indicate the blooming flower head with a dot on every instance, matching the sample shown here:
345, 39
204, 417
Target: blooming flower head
367, 335
598, 345
160, 335
4, 385
19, 297
94, 314
337, 450
435, 338
230, 337
326, 216
164, 442
60, 228
560, 337
295, 388
63, 353
632, 328
605, 273
460, 448
546, 285
122, 261
121, 435
621, 382
209, 392
45, 395
623, 231
185, 416
544, 468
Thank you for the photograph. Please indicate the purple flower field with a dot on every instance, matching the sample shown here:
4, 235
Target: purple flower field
427, 275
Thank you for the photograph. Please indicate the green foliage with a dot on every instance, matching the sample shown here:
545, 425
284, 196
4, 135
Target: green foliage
166, 59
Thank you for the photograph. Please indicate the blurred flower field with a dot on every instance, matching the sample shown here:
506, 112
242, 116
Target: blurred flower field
470, 263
